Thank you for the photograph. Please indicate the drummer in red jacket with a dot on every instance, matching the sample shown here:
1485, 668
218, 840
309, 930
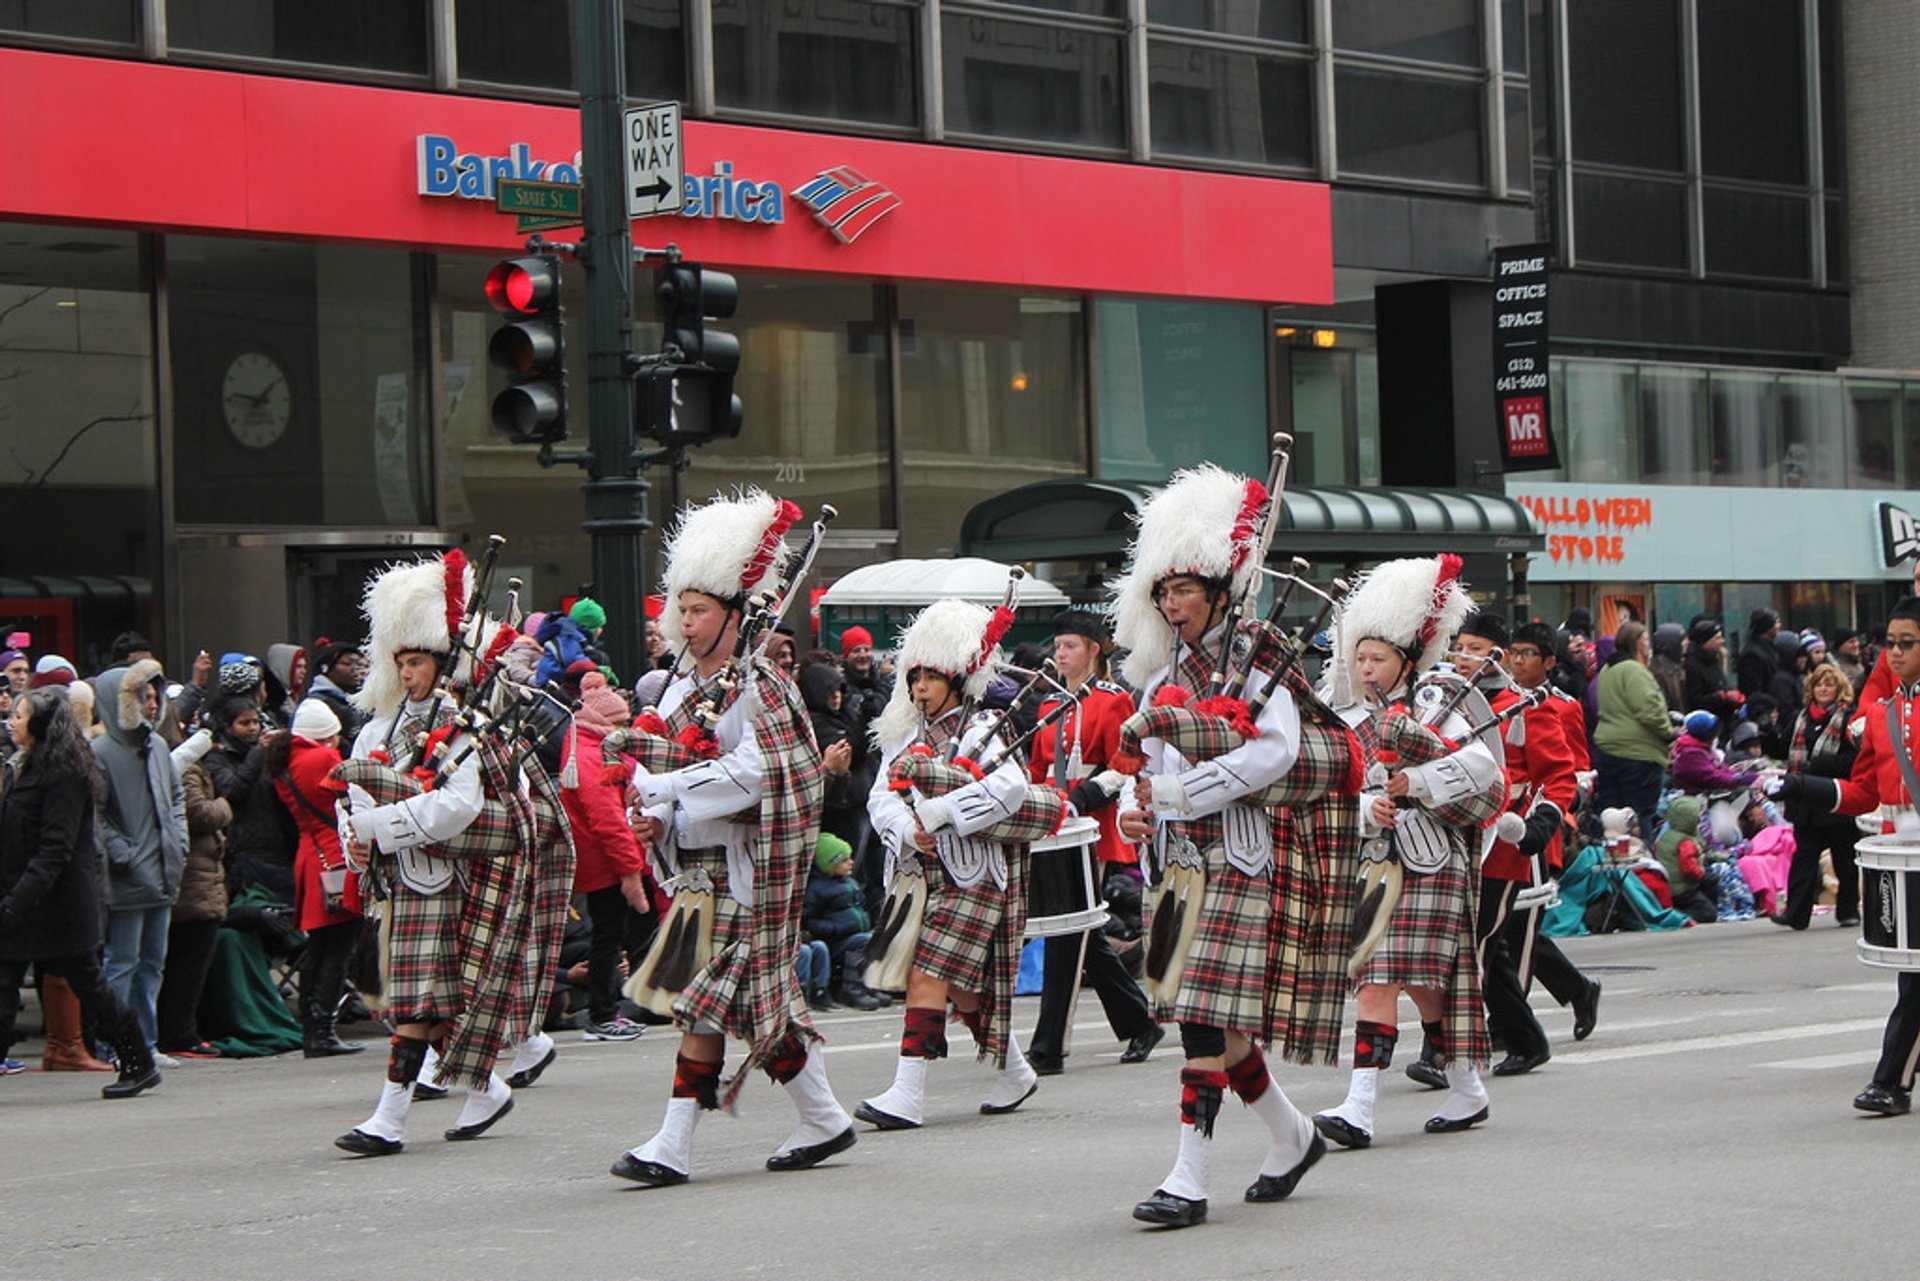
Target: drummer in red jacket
1068, 753
1878, 782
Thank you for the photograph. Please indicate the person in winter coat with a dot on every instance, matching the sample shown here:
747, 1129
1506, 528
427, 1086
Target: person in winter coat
1783, 693
1759, 660
326, 892
1706, 679
1668, 664
1630, 740
287, 666
51, 889
1690, 875
1695, 768
1822, 744
338, 668
566, 640
844, 752
144, 824
262, 838
202, 906
610, 871
833, 915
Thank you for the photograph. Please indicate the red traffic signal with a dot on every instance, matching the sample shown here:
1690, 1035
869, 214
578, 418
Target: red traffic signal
524, 286
530, 349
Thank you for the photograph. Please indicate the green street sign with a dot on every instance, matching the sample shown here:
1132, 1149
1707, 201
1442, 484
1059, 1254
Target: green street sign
539, 204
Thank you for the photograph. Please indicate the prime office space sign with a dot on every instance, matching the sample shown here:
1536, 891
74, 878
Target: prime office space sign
1520, 357
843, 201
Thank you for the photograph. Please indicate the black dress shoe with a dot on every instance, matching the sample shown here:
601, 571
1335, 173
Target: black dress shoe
1342, 1131
1141, 1046
525, 1076
1047, 1064
1278, 1187
360, 1143
1586, 1010
1846, 922
1001, 1109
809, 1155
423, 1092
1424, 1072
1884, 1100
131, 1083
651, 1173
882, 1120
461, 1133
1780, 919
1521, 1064
1448, 1125
1166, 1210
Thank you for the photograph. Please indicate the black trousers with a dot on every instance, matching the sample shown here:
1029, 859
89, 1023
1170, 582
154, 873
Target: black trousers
1900, 1047
323, 966
190, 947
607, 911
1508, 1014
1803, 878
98, 1005
1561, 977
1120, 997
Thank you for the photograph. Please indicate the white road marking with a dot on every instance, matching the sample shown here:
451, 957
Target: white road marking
1822, 1062
1731, 1040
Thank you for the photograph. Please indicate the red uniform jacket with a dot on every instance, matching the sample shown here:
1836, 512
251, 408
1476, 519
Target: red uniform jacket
1540, 764
1876, 779
1103, 706
1573, 724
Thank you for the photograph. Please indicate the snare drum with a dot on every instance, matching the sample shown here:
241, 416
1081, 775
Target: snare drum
1062, 893
1890, 901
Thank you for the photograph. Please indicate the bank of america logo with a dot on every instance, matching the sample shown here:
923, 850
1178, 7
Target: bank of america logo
846, 202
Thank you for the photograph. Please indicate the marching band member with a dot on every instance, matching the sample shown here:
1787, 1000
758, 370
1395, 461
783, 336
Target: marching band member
1883, 779
1072, 751
968, 952
1425, 818
744, 821
1196, 552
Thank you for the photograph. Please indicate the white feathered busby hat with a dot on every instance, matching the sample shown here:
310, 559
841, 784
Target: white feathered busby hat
1415, 605
729, 549
415, 606
1203, 524
958, 639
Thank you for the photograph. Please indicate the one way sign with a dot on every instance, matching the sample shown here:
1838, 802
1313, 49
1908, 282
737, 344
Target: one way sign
655, 164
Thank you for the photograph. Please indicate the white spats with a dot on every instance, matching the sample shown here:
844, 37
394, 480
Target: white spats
389, 1119
1466, 1099
821, 1116
905, 1100
532, 1052
1192, 1172
484, 1106
672, 1144
1291, 1130
1015, 1082
1355, 1111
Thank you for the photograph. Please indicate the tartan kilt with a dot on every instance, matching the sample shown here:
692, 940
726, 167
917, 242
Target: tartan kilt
717, 996
956, 935
1423, 935
422, 936
1224, 983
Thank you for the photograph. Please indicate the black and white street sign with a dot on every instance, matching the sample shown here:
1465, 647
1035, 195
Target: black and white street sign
655, 161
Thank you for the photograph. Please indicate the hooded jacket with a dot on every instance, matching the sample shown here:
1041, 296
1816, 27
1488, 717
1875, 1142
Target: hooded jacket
1679, 850
1668, 664
144, 816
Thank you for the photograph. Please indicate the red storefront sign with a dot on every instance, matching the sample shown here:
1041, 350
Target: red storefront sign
142, 145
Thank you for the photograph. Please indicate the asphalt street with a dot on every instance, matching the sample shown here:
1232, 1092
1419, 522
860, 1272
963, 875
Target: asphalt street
1703, 1131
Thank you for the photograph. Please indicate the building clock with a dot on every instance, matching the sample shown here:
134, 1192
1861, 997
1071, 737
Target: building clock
256, 400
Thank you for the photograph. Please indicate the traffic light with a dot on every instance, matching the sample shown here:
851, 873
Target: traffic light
530, 349
688, 398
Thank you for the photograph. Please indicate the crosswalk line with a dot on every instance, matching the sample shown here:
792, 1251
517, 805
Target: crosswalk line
1732, 1040
1822, 1062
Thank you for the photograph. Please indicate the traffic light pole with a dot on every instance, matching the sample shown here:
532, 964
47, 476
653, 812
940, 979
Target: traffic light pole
616, 485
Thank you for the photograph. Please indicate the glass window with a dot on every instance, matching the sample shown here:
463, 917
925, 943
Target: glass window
1025, 80
656, 51
1263, 19
78, 432
1599, 421
1833, 107
1180, 383
1839, 266
813, 384
838, 58
1672, 412
1541, 84
1753, 120
1813, 434
1091, 8
1327, 416
379, 35
87, 19
993, 395
1873, 422
492, 47
1624, 60
1635, 222
1431, 31
1230, 106
1910, 438
1513, 36
1751, 233
1742, 433
1519, 154
1394, 126
299, 388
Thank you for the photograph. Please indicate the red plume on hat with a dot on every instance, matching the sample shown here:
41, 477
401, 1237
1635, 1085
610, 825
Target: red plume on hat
784, 517
1450, 566
1246, 523
995, 631
456, 572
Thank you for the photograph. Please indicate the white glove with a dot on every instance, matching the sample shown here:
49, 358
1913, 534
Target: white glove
197, 744
935, 814
1169, 795
1510, 827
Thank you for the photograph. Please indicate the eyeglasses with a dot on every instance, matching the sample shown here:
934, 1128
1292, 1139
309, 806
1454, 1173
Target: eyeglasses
1188, 590
1903, 644
1519, 652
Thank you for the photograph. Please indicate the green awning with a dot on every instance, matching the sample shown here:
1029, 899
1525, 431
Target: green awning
1093, 520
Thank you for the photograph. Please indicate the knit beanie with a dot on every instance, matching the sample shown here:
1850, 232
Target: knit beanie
829, 850
587, 612
601, 708
52, 670
1617, 821
1703, 725
240, 673
314, 721
853, 638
